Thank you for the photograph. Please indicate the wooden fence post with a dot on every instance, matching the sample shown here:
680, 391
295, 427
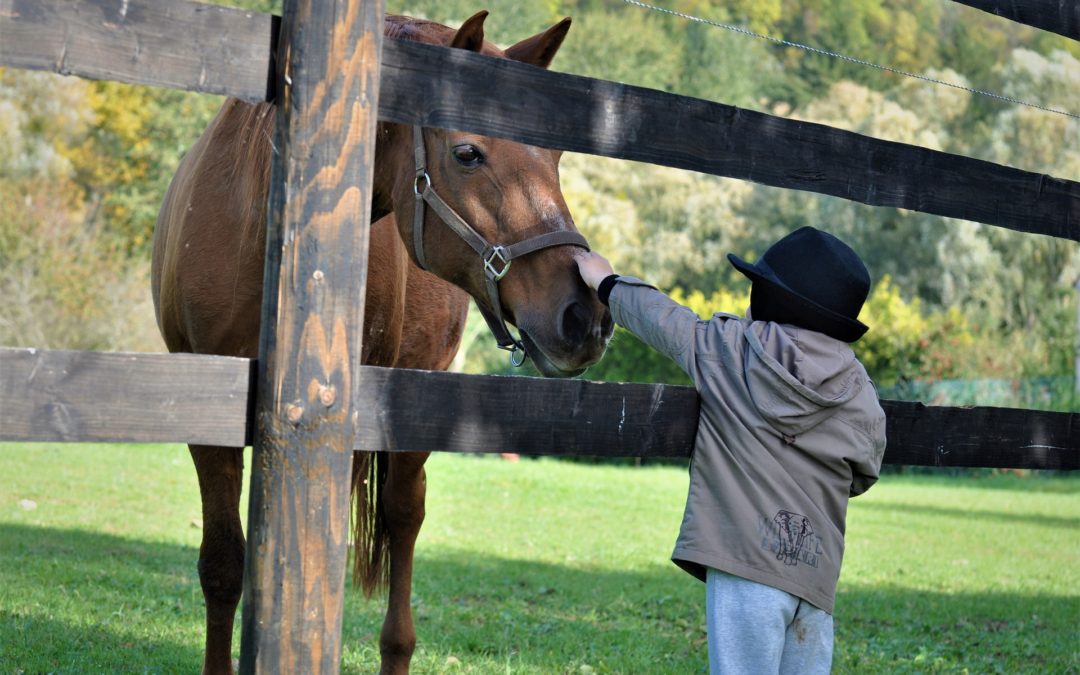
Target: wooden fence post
320, 200
1076, 355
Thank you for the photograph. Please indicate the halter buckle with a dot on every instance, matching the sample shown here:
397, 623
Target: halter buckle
489, 263
420, 176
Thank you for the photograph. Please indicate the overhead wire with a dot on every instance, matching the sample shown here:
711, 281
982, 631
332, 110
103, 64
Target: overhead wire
850, 59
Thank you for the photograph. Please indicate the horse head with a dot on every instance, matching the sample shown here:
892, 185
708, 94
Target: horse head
488, 215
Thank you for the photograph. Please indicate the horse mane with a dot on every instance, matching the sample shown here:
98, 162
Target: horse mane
254, 123
252, 128
417, 30
426, 32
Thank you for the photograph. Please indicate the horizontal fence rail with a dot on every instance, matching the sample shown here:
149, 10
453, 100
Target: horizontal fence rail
48, 395
56, 395
1058, 16
182, 45
598, 117
528, 415
439, 87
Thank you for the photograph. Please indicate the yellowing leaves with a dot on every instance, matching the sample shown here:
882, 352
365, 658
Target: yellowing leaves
906, 342
723, 300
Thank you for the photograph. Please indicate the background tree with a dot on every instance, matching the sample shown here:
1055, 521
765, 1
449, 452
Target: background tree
84, 166
64, 282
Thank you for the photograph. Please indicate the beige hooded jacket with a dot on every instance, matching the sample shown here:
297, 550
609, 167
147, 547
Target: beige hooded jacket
790, 427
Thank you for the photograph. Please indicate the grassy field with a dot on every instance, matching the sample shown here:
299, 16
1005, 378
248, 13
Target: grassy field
538, 567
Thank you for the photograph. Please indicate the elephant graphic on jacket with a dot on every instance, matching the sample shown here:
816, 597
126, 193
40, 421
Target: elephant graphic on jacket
792, 530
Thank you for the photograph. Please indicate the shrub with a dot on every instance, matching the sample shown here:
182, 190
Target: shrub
62, 287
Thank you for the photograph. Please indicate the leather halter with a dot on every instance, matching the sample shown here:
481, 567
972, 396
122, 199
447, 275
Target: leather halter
495, 258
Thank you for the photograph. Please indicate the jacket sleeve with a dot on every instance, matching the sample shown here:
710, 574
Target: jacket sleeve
866, 469
656, 320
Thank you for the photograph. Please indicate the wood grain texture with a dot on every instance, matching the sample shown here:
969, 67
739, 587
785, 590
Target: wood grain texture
54, 395
420, 410
474, 413
310, 345
169, 43
986, 437
439, 87
458, 89
1058, 16
195, 398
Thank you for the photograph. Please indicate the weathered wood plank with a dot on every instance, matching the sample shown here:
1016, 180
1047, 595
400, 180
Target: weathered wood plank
462, 90
179, 44
189, 398
420, 410
440, 88
1058, 16
53, 395
311, 333
981, 437
550, 417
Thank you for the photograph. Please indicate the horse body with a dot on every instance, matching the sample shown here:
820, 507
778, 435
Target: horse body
207, 271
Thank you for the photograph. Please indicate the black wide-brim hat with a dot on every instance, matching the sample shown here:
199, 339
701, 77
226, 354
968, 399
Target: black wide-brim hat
820, 281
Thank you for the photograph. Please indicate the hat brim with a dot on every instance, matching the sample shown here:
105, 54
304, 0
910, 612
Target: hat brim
823, 320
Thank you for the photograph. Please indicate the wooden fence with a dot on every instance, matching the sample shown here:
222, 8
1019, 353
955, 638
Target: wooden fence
323, 59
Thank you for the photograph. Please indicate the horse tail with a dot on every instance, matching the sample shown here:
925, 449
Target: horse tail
370, 535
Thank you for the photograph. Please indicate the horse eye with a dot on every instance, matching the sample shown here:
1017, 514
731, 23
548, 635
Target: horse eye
468, 156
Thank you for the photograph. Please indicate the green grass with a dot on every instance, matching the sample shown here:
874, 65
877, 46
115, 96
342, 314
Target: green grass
538, 567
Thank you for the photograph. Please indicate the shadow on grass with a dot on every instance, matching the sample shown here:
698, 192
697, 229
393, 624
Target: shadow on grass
1032, 480
491, 614
75, 601
1065, 522
543, 618
899, 630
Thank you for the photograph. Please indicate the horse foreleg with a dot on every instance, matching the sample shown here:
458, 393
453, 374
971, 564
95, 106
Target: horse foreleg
221, 554
403, 501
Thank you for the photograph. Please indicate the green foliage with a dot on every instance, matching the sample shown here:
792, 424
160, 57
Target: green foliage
508, 22
631, 360
668, 226
126, 161
92, 160
904, 342
40, 115
62, 284
64, 281
479, 353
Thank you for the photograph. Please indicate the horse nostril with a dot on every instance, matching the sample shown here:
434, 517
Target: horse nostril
576, 323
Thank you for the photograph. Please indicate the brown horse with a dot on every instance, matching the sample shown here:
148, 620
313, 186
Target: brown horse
207, 285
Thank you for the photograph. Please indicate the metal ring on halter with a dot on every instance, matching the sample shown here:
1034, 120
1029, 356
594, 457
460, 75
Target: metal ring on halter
500, 253
515, 347
416, 182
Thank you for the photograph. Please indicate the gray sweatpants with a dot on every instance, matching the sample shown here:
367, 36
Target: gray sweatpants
757, 630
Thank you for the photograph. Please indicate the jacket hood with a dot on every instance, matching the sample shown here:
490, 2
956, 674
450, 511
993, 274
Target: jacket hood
806, 375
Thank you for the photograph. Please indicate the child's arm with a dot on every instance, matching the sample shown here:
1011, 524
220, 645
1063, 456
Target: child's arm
653, 317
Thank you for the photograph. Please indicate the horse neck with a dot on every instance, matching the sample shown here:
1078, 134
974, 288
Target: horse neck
394, 168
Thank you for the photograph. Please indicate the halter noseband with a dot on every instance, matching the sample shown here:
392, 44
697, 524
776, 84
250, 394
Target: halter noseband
495, 258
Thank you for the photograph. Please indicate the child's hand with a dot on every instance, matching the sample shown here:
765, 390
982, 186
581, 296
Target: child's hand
593, 268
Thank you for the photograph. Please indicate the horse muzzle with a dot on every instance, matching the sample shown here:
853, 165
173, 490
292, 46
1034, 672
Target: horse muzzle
567, 346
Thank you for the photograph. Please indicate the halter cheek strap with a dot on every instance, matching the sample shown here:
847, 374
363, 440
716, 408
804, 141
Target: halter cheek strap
496, 258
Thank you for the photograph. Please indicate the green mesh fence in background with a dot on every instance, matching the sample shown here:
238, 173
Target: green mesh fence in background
1040, 393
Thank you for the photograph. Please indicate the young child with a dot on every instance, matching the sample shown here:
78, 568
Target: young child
790, 427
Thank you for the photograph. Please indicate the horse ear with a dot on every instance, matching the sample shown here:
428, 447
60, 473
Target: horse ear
540, 49
471, 34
